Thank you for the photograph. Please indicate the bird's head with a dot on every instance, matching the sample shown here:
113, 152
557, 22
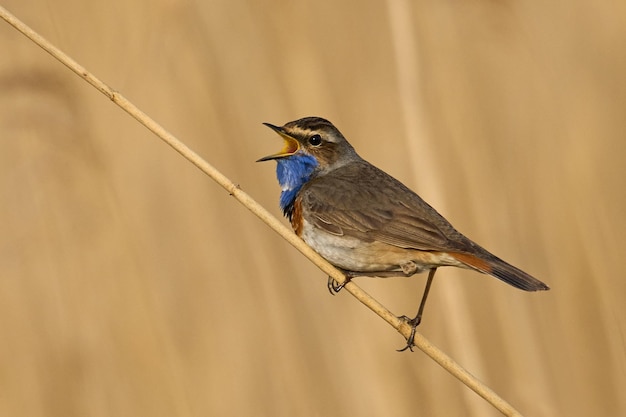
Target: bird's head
313, 147
315, 140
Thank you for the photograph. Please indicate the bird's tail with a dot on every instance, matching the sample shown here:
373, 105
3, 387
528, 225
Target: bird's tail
492, 265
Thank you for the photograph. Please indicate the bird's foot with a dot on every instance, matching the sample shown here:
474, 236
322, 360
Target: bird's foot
334, 287
413, 322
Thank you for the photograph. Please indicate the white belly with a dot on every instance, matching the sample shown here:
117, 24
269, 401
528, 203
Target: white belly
352, 254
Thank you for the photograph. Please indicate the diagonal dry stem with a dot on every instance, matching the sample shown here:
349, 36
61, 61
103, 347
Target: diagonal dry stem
234, 190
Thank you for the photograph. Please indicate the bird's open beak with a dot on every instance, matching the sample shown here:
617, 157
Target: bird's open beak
291, 144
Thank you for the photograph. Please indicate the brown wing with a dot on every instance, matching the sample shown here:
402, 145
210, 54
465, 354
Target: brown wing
362, 201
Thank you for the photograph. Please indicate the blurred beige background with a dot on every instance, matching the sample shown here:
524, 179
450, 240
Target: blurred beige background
132, 285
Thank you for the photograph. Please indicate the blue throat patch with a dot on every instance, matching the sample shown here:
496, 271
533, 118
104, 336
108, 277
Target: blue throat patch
292, 173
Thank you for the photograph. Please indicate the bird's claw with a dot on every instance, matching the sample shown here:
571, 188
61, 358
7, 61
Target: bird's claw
334, 287
414, 322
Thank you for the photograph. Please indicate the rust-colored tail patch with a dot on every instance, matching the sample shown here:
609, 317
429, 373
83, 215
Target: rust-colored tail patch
473, 261
502, 270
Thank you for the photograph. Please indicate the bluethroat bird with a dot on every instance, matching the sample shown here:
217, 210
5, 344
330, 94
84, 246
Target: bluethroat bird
364, 221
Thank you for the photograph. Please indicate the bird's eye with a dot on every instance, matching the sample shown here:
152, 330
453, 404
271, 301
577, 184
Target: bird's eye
315, 140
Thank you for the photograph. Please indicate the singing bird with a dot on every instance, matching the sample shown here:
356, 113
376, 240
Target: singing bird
364, 221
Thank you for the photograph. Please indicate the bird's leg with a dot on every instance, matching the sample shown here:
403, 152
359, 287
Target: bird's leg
415, 321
